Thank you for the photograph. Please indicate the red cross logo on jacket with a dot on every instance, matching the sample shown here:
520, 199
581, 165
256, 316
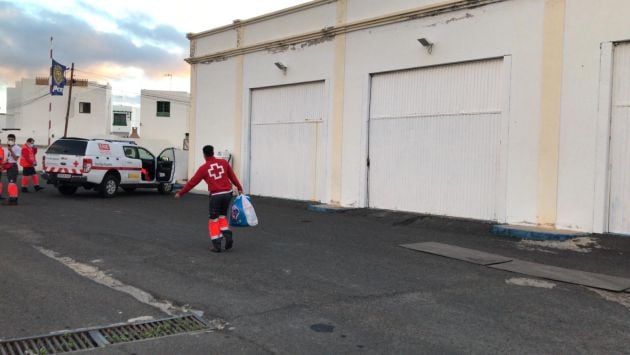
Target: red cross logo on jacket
216, 171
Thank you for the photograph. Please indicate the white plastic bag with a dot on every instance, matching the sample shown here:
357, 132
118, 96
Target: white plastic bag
242, 213
250, 214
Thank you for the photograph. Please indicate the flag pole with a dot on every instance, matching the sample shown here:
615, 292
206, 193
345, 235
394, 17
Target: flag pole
50, 78
65, 131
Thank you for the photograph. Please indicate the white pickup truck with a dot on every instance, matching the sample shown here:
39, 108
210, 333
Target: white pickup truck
105, 165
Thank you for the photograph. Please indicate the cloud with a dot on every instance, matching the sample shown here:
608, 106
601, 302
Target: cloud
25, 34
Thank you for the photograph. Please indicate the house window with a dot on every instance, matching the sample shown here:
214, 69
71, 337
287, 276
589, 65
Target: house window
163, 109
85, 107
120, 119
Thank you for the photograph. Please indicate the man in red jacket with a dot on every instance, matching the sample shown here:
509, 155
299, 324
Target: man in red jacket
28, 163
219, 176
1, 169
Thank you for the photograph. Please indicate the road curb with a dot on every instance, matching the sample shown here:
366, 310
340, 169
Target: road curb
323, 208
534, 233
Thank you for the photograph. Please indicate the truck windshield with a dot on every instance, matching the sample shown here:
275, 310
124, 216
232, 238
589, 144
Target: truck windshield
68, 147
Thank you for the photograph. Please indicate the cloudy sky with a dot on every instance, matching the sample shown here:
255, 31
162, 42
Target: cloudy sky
131, 44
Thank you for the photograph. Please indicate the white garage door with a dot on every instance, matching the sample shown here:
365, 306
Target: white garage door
287, 132
619, 215
434, 144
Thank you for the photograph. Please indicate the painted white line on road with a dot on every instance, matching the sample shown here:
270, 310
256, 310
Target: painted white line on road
98, 276
522, 281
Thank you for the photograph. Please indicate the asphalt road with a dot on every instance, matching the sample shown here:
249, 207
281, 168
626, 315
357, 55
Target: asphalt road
301, 282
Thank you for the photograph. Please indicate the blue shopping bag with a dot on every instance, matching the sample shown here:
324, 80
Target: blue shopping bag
242, 212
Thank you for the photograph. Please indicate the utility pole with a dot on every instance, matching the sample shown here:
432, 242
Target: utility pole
65, 131
50, 83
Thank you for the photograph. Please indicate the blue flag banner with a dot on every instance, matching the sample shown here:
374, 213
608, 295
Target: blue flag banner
57, 78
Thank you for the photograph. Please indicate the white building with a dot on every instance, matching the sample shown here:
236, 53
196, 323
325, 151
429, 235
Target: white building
36, 114
512, 111
124, 118
164, 116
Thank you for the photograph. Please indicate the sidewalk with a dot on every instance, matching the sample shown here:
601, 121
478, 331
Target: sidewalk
605, 254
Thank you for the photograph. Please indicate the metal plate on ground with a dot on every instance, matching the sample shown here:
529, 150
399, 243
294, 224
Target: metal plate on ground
92, 338
464, 254
606, 282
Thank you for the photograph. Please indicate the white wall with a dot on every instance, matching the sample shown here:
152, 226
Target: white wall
130, 112
215, 43
214, 109
312, 19
512, 28
172, 129
585, 124
311, 63
365, 9
28, 108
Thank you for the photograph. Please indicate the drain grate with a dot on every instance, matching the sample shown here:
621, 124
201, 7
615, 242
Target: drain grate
84, 339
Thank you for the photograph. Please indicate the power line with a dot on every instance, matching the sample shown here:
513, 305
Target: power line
11, 103
99, 75
27, 101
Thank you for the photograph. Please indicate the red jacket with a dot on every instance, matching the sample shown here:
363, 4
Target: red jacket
27, 159
217, 173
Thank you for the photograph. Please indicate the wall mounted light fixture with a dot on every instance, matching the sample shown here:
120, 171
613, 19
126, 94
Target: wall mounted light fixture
281, 67
426, 44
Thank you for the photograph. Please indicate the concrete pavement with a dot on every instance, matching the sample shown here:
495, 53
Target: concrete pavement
300, 282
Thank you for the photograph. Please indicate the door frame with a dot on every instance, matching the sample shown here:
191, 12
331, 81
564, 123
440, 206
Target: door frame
603, 158
322, 174
502, 168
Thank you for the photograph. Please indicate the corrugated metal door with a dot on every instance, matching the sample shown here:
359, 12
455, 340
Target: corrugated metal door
287, 132
434, 139
619, 212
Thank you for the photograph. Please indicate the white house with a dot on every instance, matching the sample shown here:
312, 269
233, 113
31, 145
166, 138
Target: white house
512, 111
34, 113
164, 116
123, 119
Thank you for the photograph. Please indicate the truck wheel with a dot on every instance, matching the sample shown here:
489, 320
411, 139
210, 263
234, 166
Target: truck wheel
109, 186
165, 188
67, 190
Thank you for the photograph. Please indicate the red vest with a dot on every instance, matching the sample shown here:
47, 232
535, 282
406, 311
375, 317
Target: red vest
27, 160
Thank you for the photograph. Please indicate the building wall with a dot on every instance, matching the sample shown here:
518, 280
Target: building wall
558, 70
374, 50
505, 29
173, 128
365, 9
312, 19
28, 110
214, 107
585, 122
130, 112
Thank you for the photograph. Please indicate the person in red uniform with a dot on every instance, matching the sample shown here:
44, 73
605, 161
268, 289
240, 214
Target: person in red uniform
12, 155
1, 169
220, 177
28, 163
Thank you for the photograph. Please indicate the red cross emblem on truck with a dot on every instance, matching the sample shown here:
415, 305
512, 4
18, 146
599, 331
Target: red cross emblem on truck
76, 163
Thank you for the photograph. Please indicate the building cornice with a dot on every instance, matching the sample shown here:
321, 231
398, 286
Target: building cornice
331, 32
265, 17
